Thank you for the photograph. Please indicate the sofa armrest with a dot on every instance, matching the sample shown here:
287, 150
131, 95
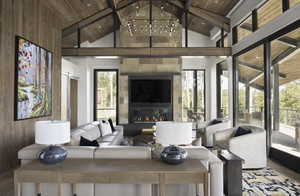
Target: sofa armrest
119, 128
216, 175
244, 141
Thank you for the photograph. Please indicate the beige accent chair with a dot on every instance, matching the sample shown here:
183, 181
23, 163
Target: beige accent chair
250, 147
207, 131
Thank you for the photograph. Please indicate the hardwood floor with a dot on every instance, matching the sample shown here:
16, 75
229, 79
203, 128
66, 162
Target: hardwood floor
6, 180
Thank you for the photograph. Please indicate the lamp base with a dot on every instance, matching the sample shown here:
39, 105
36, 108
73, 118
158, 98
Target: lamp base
52, 155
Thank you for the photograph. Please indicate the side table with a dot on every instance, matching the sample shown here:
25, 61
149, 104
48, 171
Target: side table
232, 173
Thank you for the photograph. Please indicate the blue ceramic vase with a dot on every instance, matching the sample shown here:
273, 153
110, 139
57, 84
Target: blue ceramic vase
173, 155
53, 155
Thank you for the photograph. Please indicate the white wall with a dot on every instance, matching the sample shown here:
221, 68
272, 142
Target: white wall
85, 71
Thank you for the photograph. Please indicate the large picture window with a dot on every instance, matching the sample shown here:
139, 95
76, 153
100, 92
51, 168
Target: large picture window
251, 87
222, 90
286, 94
193, 95
106, 95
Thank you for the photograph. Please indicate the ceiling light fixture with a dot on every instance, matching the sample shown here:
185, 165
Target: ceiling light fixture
164, 23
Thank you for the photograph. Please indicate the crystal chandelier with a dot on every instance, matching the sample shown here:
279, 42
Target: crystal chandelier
162, 24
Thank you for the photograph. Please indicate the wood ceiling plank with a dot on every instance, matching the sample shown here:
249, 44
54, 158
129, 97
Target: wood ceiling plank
215, 19
87, 21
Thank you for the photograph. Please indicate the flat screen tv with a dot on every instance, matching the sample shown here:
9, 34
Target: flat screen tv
150, 91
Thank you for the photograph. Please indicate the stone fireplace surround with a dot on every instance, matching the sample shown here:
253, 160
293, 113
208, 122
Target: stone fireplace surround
156, 67
150, 112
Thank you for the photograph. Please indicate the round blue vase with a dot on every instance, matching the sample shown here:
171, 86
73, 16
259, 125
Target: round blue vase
173, 155
53, 155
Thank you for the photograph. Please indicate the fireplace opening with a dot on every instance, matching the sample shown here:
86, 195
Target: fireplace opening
150, 99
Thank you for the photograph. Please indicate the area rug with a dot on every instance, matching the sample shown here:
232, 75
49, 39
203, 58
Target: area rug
268, 182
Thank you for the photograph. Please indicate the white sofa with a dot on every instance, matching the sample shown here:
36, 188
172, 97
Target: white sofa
250, 147
207, 131
214, 165
92, 132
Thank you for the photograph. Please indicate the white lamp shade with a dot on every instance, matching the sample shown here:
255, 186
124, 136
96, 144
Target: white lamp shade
174, 133
52, 132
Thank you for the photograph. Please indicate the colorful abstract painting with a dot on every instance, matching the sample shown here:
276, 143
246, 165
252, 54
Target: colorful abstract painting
33, 80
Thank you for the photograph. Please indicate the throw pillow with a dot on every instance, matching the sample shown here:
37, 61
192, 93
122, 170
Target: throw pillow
215, 121
242, 131
86, 142
91, 133
111, 125
105, 128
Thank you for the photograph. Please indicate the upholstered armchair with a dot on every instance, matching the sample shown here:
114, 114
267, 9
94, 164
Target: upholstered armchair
208, 129
251, 147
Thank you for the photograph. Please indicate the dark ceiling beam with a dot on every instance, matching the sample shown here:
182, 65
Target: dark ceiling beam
288, 41
147, 52
284, 55
113, 6
215, 19
95, 17
281, 57
285, 40
257, 68
187, 5
256, 77
257, 86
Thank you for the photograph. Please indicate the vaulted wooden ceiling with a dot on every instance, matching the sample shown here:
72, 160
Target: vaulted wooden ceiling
73, 11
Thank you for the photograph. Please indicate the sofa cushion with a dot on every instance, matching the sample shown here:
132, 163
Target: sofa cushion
31, 152
123, 152
197, 152
105, 128
86, 142
106, 138
242, 131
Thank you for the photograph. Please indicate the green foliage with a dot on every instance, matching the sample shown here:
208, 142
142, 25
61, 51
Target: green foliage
290, 96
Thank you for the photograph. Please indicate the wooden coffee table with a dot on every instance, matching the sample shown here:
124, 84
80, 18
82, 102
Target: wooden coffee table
108, 171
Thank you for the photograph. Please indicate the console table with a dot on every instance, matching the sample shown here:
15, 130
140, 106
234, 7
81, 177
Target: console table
111, 171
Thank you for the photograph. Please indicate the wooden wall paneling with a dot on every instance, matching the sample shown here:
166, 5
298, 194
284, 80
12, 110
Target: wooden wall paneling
33, 20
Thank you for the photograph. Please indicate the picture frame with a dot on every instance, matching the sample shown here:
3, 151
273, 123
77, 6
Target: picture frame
33, 80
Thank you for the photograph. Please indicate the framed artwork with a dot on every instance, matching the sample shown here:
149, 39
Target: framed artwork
33, 80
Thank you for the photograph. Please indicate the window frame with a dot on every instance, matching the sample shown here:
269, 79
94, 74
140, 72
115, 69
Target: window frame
95, 92
195, 89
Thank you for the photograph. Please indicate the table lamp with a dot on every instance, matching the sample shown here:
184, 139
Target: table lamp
52, 133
